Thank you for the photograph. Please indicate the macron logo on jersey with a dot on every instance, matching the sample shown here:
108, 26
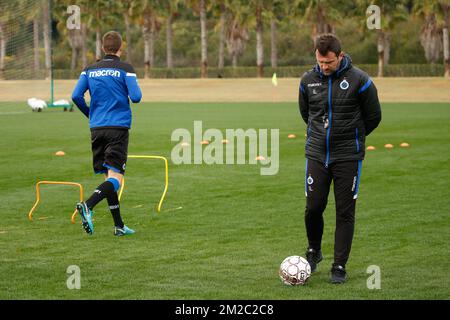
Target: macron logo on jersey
104, 73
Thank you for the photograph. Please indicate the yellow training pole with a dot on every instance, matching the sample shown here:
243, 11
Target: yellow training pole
166, 178
38, 196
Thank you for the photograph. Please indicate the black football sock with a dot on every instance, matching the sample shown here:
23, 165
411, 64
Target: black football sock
114, 207
100, 193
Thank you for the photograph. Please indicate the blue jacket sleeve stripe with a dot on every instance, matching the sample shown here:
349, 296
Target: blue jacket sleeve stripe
364, 87
78, 94
302, 88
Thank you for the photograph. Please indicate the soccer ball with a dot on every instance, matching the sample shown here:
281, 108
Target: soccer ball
295, 270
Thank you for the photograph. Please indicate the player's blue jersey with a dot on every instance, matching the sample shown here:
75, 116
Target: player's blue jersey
110, 82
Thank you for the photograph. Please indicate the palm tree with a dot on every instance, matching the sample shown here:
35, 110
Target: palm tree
200, 8
276, 10
77, 37
130, 13
435, 17
204, 40
220, 11
237, 30
258, 6
32, 11
47, 37
273, 43
172, 12
321, 13
150, 29
392, 12
272, 9
430, 35
100, 13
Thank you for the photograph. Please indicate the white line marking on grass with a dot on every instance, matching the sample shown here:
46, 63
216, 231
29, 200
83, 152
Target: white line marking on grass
12, 113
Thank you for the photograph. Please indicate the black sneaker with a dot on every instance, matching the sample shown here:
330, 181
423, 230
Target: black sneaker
314, 257
338, 274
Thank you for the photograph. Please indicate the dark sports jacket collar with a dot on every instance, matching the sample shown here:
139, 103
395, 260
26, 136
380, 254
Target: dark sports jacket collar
346, 63
111, 57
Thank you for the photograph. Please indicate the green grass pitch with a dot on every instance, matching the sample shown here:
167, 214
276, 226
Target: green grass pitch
235, 226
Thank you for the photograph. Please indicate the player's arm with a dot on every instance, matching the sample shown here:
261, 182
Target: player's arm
303, 103
78, 94
134, 91
370, 105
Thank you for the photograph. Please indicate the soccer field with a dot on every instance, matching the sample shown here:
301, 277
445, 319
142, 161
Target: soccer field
235, 225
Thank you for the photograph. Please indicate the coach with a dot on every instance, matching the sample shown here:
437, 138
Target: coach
340, 106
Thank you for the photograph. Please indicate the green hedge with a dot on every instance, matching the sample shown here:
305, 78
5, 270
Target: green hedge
398, 70
393, 70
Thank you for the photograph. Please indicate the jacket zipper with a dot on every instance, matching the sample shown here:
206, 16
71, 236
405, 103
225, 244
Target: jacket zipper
330, 115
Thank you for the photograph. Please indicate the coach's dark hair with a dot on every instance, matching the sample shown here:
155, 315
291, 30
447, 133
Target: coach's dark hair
328, 42
112, 41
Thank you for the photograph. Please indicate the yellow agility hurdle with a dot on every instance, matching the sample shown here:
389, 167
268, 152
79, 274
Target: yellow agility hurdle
38, 196
166, 185
72, 219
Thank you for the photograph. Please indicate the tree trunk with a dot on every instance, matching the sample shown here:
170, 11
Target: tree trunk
169, 36
77, 43
128, 35
380, 49
36, 44
204, 41
152, 41
147, 55
2, 51
84, 60
446, 53
73, 63
320, 21
444, 7
322, 25
259, 42
387, 48
146, 31
98, 44
221, 63
273, 44
430, 38
235, 60
98, 36
47, 40
149, 30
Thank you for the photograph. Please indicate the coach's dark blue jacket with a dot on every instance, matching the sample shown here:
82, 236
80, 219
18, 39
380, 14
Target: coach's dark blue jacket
110, 82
